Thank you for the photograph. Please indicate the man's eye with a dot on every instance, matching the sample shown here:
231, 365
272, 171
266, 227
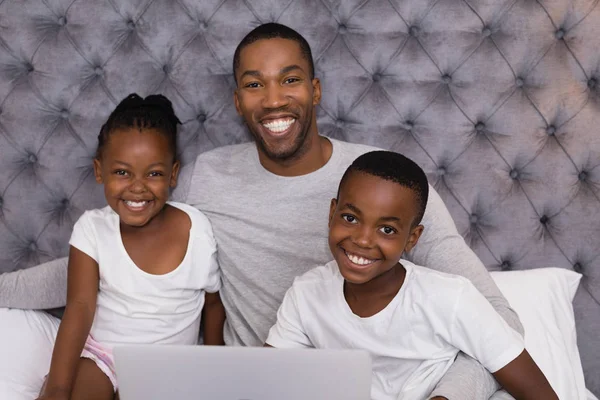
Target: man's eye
349, 218
251, 85
387, 230
291, 80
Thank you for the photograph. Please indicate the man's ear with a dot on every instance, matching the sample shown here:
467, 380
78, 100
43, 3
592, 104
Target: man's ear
98, 170
332, 207
236, 102
415, 234
316, 91
174, 174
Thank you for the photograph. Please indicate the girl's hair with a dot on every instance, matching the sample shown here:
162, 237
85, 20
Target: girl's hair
153, 112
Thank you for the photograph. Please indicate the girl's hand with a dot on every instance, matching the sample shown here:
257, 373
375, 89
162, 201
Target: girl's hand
54, 394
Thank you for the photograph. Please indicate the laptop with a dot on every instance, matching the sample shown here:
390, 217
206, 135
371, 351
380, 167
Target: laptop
162, 372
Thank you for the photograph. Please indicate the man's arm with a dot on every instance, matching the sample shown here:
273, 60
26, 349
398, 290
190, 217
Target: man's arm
442, 248
41, 287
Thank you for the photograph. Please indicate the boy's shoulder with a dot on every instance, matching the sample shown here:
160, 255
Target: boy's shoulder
318, 277
432, 281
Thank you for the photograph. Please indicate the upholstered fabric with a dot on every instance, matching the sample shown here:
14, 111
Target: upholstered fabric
499, 101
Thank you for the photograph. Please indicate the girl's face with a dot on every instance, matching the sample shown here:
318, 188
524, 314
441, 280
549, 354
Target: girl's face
137, 170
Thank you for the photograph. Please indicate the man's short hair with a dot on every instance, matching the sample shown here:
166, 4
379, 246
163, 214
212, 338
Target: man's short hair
396, 168
274, 30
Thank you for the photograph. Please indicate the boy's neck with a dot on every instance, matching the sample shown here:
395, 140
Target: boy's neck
369, 298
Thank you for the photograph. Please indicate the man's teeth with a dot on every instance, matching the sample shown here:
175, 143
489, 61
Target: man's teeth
279, 125
135, 203
359, 260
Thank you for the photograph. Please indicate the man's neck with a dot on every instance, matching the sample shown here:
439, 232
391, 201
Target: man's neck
315, 158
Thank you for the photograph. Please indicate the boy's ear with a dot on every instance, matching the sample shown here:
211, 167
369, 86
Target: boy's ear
174, 174
332, 207
415, 234
98, 170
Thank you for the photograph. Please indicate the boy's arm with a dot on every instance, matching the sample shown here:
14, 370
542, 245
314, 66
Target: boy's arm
213, 316
82, 293
442, 248
477, 330
523, 379
288, 331
40, 288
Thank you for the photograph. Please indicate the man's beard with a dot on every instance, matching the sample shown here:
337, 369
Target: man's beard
298, 149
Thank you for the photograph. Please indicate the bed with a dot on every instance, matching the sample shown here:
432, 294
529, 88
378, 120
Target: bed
499, 101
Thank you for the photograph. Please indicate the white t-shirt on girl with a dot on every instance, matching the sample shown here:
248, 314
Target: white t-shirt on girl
135, 307
412, 341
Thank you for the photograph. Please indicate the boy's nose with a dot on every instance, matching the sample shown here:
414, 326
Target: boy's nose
363, 238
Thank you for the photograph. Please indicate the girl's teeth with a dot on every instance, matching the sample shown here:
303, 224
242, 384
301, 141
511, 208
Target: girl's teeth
136, 203
279, 125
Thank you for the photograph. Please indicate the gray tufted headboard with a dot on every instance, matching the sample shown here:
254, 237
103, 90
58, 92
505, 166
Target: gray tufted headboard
498, 100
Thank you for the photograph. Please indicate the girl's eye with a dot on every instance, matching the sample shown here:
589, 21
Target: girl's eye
387, 230
349, 218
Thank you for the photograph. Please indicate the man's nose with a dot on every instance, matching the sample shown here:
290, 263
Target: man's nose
274, 97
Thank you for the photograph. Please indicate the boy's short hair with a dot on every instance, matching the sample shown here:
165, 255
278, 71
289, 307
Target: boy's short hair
393, 167
273, 30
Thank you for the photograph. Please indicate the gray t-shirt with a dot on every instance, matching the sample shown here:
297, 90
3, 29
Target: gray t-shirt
271, 229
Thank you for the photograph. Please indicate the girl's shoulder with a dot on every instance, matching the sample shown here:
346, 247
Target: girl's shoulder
200, 224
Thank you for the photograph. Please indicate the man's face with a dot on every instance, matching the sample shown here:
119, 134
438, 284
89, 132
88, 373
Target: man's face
371, 225
276, 97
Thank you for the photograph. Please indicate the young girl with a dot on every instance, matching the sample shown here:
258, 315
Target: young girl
142, 269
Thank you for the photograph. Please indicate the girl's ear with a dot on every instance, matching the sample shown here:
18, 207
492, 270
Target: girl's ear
98, 170
415, 234
174, 174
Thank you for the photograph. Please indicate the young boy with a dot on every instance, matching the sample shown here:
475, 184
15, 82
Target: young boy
412, 320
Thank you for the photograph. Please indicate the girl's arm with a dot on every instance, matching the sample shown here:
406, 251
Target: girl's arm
524, 380
82, 292
213, 315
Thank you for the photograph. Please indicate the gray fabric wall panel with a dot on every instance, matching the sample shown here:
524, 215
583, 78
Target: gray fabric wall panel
499, 101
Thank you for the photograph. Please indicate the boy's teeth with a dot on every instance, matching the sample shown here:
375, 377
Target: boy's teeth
359, 260
279, 125
135, 203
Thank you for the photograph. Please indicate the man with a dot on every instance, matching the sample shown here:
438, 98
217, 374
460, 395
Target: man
268, 201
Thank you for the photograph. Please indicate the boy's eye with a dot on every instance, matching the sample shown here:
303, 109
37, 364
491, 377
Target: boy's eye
121, 172
291, 80
251, 85
155, 173
387, 230
349, 218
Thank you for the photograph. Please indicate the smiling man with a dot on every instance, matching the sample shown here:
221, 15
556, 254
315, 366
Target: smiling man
268, 202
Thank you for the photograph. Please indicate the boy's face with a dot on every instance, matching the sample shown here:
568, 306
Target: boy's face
276, 97
371, 225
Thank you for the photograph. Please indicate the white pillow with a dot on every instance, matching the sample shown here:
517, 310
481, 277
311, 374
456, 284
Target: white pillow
26, 343
543, 300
